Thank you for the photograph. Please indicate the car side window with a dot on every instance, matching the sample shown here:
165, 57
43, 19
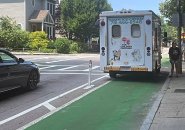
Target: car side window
5, 58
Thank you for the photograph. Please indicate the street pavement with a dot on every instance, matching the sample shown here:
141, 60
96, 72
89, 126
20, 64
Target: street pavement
170, 114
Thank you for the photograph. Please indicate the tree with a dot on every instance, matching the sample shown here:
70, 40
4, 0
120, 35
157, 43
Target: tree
169, 7
79, 17
11, 34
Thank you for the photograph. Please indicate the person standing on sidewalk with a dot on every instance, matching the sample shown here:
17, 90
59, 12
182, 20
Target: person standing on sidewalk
183, 49
174, 54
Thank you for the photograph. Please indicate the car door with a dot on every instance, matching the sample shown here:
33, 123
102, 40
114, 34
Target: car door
9, 71
5, 81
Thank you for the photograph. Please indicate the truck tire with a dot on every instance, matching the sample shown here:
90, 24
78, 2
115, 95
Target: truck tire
112, 75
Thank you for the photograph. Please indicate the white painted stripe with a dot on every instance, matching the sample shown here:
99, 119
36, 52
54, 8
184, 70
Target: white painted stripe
49, 106
56, 61
68, 67
61, 65
72, 73
46, 67
150, 116
50, 70
65, 105
95, 67
67, 59
41, 104
34, 59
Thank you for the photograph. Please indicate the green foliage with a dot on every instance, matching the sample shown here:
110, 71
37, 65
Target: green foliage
11, 35
74, 47
38, 40
51, 45
169, 7
171, 31
83, 47
79, 17
63, 45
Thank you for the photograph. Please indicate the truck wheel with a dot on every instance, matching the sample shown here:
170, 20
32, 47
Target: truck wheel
112, 75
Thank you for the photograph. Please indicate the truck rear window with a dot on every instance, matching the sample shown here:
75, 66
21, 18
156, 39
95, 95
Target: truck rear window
135, 31
116, 31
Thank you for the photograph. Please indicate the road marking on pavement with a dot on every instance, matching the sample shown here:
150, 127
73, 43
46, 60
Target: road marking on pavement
35, 59
149, 118
68, 67
68, 59
93, 68
46, 67
57, 61
49, 106
63, 106
47, 101
71, 73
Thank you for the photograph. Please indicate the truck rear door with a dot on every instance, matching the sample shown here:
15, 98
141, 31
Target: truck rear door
126, 41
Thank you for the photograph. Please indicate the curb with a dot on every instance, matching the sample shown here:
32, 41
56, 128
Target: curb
151, 115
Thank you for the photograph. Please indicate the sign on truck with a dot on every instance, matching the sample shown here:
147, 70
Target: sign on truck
130, 41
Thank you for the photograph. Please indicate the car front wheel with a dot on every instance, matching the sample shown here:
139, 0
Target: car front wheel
32, 80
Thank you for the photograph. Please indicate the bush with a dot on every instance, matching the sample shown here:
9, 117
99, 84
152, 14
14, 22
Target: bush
63, 45
38, 40
74, 48
51, 45
83, 47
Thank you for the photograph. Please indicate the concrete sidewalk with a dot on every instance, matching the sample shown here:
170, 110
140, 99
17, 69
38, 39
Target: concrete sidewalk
171, 112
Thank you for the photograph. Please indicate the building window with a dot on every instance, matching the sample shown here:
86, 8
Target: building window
33, 2
135, 31
116, 31
51, 7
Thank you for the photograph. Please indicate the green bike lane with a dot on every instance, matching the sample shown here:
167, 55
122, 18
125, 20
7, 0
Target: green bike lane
122, 104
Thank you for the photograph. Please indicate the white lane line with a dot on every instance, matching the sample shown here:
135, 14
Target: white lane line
72, 73
46, 67
47, 101
62, 65
94, 71
35, 59
65, 105
68, 67
57, 61
67, 59
49, 106
93, 68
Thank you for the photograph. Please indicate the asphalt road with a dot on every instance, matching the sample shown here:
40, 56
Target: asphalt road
61, 75
63, 78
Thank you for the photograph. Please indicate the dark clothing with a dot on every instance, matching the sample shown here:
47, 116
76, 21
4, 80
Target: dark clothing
174, 53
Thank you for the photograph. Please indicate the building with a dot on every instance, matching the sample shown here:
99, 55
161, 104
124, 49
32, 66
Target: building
31, 15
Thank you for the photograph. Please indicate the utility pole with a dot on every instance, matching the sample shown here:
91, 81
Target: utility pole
179, 31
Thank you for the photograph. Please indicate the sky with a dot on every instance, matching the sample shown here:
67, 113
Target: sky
136, 5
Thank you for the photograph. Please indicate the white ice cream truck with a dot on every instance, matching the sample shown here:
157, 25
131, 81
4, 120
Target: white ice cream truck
130, 41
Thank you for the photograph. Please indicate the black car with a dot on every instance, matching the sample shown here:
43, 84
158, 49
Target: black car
15, 72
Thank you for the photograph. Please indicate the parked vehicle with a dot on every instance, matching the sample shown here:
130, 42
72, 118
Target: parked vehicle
16, 72
130, 41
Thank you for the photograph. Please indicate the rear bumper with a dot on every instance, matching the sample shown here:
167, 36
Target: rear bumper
120, 69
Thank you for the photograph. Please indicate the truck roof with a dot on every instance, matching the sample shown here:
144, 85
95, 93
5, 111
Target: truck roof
127, 13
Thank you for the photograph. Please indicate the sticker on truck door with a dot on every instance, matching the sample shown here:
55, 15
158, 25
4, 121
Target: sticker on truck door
126, 41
